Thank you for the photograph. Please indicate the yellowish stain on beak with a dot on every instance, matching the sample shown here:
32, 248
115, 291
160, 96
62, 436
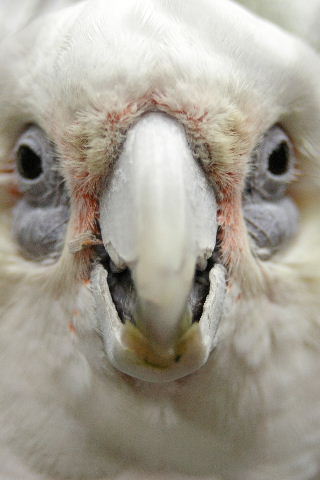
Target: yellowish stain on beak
149, 355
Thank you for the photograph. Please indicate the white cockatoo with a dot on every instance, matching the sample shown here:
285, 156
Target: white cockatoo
159, 240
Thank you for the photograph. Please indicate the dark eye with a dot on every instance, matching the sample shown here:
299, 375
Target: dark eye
37, 168
273, 165
271, 216
278, 162
29, 163
36, 165
41, 213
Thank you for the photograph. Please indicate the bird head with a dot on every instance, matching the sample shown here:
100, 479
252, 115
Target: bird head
158, 183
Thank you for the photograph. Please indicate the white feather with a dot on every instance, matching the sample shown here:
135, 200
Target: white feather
252, 412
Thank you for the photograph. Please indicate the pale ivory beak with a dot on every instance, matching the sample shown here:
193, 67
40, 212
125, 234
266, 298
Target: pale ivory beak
158, 217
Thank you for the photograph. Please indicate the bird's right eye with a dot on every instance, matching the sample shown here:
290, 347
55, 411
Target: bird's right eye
36, 166
29, 163
41, 216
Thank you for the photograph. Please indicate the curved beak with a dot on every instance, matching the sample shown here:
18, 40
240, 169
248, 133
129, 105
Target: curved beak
158, 218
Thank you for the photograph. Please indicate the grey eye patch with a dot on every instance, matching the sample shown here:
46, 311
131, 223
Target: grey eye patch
41, 216
271, 216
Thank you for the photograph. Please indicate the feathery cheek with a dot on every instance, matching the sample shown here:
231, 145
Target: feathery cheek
232, 233
88, 150
229, 180
10, 192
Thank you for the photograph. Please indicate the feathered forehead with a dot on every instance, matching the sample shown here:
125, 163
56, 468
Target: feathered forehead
212, 56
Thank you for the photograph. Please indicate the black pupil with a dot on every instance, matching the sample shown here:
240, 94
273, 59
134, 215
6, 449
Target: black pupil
29, 163
279, 159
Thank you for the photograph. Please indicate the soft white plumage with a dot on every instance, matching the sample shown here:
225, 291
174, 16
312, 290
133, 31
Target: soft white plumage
85, 74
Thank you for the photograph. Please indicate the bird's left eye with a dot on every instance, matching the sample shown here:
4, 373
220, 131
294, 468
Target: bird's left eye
279, 159
271, 216
40, 217
273, 165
